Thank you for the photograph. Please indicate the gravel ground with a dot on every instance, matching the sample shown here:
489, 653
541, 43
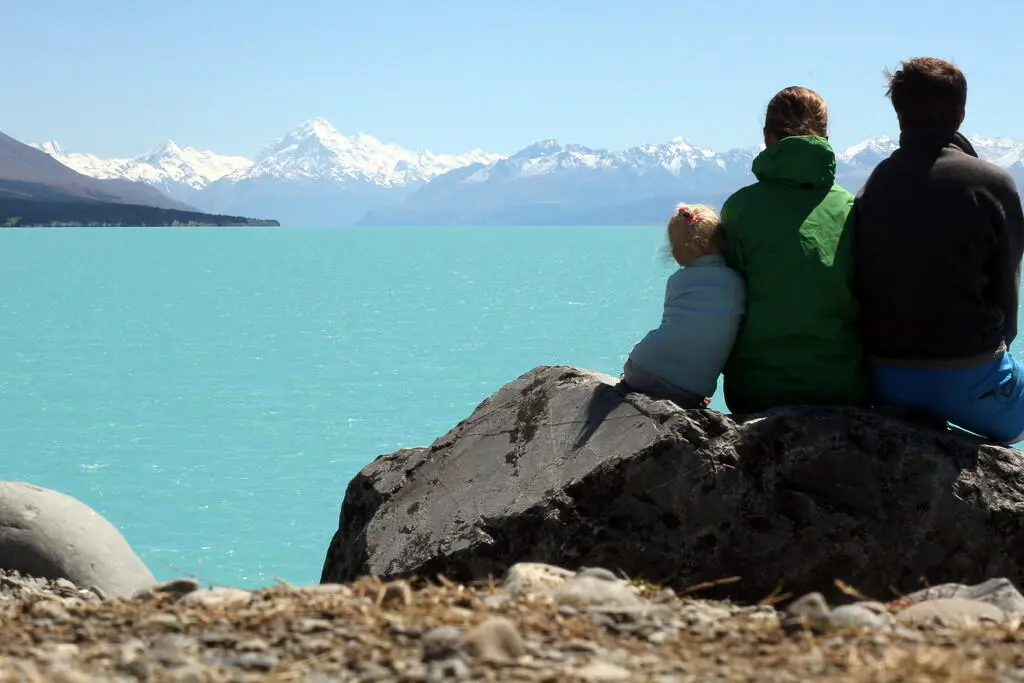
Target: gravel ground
544, 625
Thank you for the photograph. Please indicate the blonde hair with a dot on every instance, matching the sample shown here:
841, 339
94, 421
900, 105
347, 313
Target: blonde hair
692, 230
796, 111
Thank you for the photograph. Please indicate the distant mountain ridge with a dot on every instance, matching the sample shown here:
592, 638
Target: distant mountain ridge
29, 174
167, 165
316, 176
37, 189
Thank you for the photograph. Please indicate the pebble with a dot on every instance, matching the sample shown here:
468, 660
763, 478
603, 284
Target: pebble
447, 669
999, 592
657, 637
441, 642
602, 672
526, 578
253, 645
859, 616
163, 621
218, 639
951, 612
218, 597
190, 673
496, 601
317, 645
66, 585
809, 611
59, 652
51, 610
98, 592
174, 649
589, 590
312, 625
370, 672
256, 661
131, 658
324, 589
175, 587
495, 640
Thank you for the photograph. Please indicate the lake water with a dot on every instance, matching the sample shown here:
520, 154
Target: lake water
212, 391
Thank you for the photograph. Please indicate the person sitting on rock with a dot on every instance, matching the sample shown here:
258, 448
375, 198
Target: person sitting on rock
681, 359
789, 236
940, 236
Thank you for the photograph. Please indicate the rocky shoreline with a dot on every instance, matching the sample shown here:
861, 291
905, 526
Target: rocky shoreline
541, 623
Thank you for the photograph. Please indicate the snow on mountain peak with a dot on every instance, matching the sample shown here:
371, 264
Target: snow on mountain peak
168, 164
51, 147
197, 168
875, 149
1003, 152
867, 153
315, 150
676, 157
86, 164
165, 148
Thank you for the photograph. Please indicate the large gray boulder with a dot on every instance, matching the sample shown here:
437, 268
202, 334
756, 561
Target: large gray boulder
47, 534
565, 467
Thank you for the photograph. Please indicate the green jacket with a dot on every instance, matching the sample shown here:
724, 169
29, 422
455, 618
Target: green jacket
790, 236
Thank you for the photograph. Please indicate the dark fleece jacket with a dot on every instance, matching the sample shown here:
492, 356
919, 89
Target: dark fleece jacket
939, 240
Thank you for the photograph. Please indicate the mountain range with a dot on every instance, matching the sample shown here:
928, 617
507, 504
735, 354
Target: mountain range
315, 176
36, 189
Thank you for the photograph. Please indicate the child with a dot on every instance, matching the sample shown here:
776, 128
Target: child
704, 304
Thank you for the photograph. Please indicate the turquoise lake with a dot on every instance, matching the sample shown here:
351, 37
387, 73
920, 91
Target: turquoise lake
211, 391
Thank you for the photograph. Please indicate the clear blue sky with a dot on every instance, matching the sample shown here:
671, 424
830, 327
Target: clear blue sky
116, 77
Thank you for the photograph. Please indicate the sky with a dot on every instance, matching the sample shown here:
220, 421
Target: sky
118, 77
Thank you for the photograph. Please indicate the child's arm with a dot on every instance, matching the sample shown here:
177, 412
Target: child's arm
679, 284
670, 295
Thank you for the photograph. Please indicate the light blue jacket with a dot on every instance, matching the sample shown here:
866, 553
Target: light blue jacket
704, 305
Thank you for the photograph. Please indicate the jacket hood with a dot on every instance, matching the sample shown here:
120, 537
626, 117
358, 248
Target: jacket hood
800, 160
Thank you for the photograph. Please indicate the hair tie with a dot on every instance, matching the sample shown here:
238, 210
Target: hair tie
688, 214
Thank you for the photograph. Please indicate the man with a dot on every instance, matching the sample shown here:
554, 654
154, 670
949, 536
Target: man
939, 243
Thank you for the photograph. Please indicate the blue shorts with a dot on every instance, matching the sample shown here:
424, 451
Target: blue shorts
987, 399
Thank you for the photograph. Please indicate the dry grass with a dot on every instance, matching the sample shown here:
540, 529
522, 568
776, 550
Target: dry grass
339, 631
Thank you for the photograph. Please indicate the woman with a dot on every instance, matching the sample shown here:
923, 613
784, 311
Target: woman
789, 236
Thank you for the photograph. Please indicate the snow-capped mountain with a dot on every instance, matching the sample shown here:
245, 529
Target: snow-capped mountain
169, 167
553, 184
1001, 151
865, 155
314, 175
316, 151
855, 163
678, 158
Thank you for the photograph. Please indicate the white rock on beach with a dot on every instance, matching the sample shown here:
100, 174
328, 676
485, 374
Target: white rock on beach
48, 534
